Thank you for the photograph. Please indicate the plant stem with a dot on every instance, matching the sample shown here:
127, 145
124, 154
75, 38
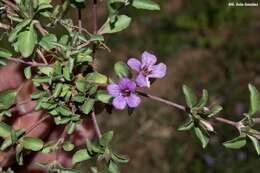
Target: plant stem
167, 102
10, 4
226, 121
33, 64
79, 20
183, 108
94, 11
95, 24
37, 124
95, 123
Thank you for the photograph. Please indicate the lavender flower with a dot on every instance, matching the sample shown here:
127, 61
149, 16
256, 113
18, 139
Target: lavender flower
147, 69
124, 94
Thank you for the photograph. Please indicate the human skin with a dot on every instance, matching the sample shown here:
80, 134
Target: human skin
24, 116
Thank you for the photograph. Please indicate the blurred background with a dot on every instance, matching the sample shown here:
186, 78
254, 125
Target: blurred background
206, 44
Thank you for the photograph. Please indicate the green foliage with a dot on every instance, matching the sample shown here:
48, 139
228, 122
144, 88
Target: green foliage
122, 70
236, 143
80, 156
120, 23
68, 85
106, 138
190, 97
7, 99
254, 100
26, 41
146, 5
34, 144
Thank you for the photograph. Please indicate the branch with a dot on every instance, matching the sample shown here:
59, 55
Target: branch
79, 20
95, 24
33, 64
36, 124
10, 4
39, 27
95, 123
183, 108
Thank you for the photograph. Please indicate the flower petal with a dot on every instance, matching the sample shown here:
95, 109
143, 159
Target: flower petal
142, 81
119, 102
134, 64
148, 59
133, 101
113, 90
158, 71
127, 84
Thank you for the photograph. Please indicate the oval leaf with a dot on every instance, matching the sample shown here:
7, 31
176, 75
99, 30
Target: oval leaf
34, 144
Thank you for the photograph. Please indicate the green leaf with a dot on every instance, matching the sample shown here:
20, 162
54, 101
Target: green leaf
27, 41
87, 106
57, 90
93, 148
204, 99
19, 154
5, 130
255, 143
31, 143
104, 97
67, 146
203, 137
112, 167
106, 138
190, 97
122, 70
17, 29
67, 73
67, 170
236, 143
97, 78
28, 72
206, 125
215, 110
186, 126
84, 56
64, 110
81, 85
80, 155
254, 100
5, 53
71, 128
50, 147
7, 143
145, 4
121, 23
7, 99
47, 42
119, 158
96, 37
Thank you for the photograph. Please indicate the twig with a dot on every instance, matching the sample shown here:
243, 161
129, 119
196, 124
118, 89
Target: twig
4, 26
95, 123
39, 52
95, 24
183, 108
37, 124
226, 121
39, 27
33, 64
79, 19
10, 4
94, 11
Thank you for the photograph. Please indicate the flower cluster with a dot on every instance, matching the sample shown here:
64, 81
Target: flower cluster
124, 92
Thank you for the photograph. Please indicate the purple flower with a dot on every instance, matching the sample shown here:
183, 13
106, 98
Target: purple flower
147, 69
124, 94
